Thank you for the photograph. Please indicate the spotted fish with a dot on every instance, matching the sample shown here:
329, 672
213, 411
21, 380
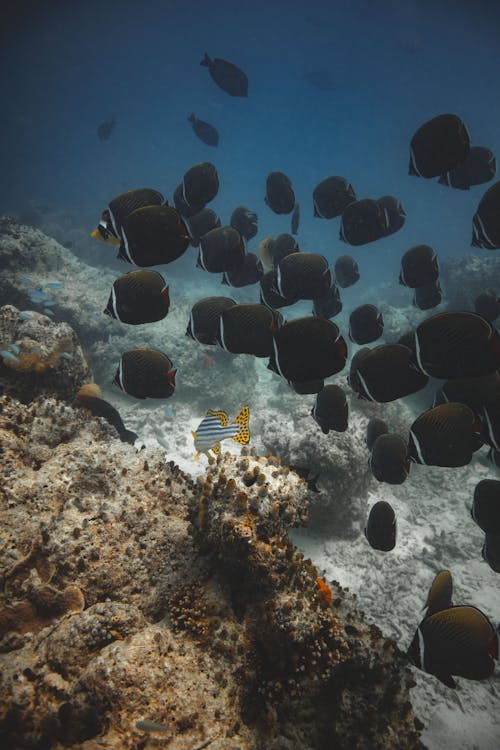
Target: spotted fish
215, 427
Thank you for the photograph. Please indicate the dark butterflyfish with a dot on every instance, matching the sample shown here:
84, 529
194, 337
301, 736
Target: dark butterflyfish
201, 223
185, 211
491, 551
200, 185
487, 304
395, 213
227, 76
308, 349
380, 529
446, 435
279, 193
486, 220
363, 221
331, 410
473, 392
438, 146
268, 294
332, 196
385, 374
303, 276
486, 505
427, 296
272, 250
388, 460
366, 324
329, 305
305, 474
145, 373
440, 594
419, 266
374, 429
458, 641
204, 319
249, 272
346, 271
153, 236
105, 129
245, 222
248, 329
138, 297
221, 249
306, 388
294, 225
89, 397
480, 166
205, 132
112, 218
456, 345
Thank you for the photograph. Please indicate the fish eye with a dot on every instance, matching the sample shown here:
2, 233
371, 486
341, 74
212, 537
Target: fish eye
105, 233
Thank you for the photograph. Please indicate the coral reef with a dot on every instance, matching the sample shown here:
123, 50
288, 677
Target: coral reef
130, 594
464, 278
44, 358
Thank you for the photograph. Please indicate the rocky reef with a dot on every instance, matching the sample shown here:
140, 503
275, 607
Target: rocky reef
139, 607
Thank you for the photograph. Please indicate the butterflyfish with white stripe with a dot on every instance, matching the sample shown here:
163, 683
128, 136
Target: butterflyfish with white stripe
109, 228
215, 427
153, 236
138, 297
145, 373
446, 435
384, 374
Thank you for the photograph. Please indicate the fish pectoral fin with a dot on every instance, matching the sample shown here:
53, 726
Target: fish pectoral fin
195, 436
243, 422
220, 415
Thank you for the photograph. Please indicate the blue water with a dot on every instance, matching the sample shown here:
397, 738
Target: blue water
68, 66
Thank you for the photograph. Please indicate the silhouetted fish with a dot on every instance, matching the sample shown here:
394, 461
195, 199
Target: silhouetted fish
227, 76
105, 129
487, 304
388, 460
244, 221
446, 435
205, 132
221, 249
440, 594
346, 271
438, 146
363, 221
380, 529
145, 373
204, 320
308, 349
427, 296
279, 193
249, 272
480, 166
486, 220
200, 185
330, 409
331, 196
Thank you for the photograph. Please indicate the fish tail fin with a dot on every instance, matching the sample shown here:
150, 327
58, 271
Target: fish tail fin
206, 61
171, 377
243, 422
191, 117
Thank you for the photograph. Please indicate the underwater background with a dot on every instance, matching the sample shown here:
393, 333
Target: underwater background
335, 88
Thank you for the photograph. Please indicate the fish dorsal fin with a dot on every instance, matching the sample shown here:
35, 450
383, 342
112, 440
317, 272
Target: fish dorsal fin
220, 415
216, 449
243, 420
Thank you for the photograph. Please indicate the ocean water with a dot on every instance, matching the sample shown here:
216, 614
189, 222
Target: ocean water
393, 64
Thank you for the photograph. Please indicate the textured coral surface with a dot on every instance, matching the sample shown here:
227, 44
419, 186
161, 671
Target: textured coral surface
130, 593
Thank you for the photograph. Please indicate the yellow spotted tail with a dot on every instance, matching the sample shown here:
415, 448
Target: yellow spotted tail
243, 422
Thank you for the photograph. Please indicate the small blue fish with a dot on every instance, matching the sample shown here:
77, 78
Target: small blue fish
162, 442
24, 280
38, 296
14, 348
48, 311
25, 315
168, 411
54, 285
48, 303
36, 349
67, 355
8, 355
215, 427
